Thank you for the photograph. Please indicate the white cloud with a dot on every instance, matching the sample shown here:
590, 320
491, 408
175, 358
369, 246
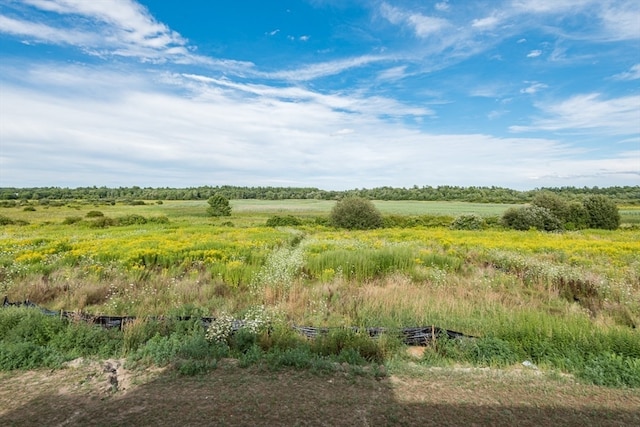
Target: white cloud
616, 116
486, 23
323, 69
534, 53
533, 88
422, 25
394, 73
135, 130
632, 74
273, 33
442, 6
116, 27
304, 38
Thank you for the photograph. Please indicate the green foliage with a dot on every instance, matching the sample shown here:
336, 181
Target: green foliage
218, 206
283, 221
5, 220
94, 214
353, 347
554, 203
29, 209
612, 370
356, 213
528, 217
467, 222
132, 219
406, 221
71, 220
577, 216
29, 339
603, 212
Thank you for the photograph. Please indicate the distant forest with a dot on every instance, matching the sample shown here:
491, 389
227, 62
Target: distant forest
621, 195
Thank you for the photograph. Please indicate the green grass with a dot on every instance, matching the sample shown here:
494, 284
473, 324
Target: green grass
565, 301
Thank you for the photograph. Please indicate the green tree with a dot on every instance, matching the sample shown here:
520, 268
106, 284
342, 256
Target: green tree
603, 212
356, 213
218, 206
526, 217
577, 217
557, 205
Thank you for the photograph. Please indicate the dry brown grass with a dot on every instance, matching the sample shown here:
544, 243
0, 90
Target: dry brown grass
231, 396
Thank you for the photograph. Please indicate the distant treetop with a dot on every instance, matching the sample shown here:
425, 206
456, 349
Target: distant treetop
620, 195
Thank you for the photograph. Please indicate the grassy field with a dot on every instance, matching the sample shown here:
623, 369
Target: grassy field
569, 302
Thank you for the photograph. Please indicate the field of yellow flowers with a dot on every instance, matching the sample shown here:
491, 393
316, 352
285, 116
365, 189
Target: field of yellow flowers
164, 258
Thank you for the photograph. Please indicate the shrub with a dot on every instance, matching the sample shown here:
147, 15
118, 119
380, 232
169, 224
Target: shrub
527, 217
577, 217
554, 203
29, 209
356, 213
102, 222
71, 220
283, 221
5, 220
467, 222
603, 212
218, 206
132, 219
94, 214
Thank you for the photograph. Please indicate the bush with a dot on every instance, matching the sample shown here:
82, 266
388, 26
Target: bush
554, 203
218, 206
603, 212
283, 221
94, 214
356, 213
527, 217
5, 220
132, 219
467, 222
577, 217
29, 209
71, 220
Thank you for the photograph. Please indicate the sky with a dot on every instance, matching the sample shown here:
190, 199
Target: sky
333, 94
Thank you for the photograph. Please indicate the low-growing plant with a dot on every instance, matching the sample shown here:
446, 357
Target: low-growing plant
71, 220
467, 222
283, 221
94, 214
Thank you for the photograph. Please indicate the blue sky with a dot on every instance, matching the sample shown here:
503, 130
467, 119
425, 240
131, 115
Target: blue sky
335, 94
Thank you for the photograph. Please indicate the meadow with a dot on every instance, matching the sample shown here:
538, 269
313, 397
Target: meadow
566, 302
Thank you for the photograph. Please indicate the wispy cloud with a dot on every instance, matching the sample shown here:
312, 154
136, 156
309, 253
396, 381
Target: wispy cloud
533, 88
589, 112
534, 53
246, 134
632, 74
324, 69
421, 25
118, 27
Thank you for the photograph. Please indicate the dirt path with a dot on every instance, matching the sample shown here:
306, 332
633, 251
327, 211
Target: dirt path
106, 394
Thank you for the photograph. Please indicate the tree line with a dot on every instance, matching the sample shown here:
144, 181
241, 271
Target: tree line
619, 194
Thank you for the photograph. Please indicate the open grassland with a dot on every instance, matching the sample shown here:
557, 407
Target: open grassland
566, 302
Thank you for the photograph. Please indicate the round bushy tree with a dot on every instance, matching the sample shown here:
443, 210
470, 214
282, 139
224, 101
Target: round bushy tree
603, 212
527, 217
556, 204
577, 217
218, 206
356, 213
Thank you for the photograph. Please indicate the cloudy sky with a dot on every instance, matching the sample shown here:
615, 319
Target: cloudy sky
335, 94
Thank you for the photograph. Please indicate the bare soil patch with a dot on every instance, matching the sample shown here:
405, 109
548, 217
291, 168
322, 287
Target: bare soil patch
83, 394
